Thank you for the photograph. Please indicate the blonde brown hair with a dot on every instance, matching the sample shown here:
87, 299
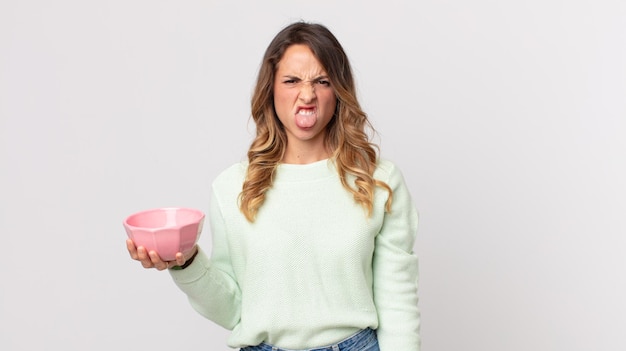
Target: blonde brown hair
346, 136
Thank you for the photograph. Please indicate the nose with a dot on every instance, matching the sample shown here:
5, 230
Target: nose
307, 92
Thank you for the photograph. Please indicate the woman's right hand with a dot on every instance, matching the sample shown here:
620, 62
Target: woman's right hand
151, 259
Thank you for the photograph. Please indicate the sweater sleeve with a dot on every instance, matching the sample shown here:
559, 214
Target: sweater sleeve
210, 283
395, 270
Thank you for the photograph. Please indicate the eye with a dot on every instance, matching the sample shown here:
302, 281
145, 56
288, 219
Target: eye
291, 80
324, 82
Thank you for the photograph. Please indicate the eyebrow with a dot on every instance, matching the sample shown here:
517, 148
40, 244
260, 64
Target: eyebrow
313, 80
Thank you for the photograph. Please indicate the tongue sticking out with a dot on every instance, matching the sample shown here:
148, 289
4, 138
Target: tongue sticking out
305, 118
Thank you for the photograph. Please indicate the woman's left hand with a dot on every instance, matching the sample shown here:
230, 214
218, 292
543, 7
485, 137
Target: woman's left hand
152, 259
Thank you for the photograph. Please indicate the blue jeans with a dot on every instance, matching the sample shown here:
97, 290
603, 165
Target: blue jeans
365, 340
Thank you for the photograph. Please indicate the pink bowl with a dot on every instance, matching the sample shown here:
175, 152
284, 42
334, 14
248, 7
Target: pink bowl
166, 230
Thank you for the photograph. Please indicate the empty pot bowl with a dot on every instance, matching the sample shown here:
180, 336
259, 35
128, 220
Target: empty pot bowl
167, 230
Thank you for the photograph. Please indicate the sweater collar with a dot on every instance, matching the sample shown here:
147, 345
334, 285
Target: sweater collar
287, 172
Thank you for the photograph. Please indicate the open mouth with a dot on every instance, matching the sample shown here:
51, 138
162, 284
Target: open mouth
306, 117
306, 111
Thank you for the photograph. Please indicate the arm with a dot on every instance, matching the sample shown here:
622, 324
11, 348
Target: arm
395, 270
210, 283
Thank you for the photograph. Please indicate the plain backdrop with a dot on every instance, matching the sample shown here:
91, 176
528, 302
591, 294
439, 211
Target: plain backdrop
507, 118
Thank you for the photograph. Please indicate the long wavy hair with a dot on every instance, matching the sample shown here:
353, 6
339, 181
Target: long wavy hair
346, 134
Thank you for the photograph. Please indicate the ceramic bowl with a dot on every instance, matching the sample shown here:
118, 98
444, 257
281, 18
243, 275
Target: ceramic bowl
167, 230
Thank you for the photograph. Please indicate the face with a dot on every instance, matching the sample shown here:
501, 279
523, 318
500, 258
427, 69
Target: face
304, 98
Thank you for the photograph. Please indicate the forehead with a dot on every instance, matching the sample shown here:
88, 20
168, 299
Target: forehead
299, 58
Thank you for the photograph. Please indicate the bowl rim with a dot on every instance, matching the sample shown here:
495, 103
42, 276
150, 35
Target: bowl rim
159, 209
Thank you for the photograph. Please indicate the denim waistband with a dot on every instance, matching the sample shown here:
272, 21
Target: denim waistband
349, 344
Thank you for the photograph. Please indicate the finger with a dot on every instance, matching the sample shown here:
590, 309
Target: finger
180, 259
132, 249
142, 253
157, 261
142, 256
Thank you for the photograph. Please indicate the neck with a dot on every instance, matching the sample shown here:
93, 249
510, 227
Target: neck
302, 156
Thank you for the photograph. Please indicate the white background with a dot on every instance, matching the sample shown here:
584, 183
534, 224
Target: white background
507, 118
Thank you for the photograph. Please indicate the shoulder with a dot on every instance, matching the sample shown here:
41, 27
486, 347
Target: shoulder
387, 171
231, 177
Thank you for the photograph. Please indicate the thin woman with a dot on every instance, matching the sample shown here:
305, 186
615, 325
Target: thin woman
312, 235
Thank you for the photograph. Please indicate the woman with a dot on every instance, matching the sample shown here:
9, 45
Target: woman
313, 235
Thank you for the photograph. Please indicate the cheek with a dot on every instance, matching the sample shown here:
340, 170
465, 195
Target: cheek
282, 97
330, 102
282, 104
